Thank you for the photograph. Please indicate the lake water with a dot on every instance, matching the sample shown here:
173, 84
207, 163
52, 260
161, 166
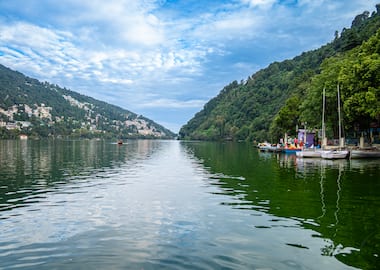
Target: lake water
183, 205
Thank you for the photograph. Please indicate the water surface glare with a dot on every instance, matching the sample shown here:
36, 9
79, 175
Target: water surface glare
183, 205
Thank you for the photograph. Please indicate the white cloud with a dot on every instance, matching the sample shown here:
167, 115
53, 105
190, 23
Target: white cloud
126, 22
172, 103
236, 23
264, 4
140, 55
48, 53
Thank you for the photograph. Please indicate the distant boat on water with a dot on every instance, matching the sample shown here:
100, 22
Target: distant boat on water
23, 137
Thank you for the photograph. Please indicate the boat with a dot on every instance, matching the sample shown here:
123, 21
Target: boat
291, 149
267, 147
309, 153
314, 152
264, 146
337, 153
120, 142
371, 152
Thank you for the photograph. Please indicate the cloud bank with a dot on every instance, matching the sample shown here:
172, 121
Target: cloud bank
155, 57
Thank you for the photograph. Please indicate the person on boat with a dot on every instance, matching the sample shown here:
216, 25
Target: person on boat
296, 142
301, 144
290, 140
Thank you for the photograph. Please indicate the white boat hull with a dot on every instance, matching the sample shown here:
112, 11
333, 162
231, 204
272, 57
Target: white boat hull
335, 154
309, 153
365, 153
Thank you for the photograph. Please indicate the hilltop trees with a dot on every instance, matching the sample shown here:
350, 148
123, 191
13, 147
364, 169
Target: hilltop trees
40, 109
286, 94
358, 74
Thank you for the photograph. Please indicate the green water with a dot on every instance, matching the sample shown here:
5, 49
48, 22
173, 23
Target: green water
183, 205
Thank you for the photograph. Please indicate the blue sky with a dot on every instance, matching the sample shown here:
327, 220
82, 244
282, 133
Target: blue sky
163, 59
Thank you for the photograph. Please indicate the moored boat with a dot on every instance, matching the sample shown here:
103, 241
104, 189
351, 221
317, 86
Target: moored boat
365, 153
267, 147
291, 149
335, 154
309, 153
340, 153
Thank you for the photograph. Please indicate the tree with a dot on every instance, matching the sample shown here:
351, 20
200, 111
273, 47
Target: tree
287, 118
358, 74
267, 101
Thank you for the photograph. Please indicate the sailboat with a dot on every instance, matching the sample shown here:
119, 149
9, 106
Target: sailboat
371, 152
309, 153
314, 152
337, 153
364, 152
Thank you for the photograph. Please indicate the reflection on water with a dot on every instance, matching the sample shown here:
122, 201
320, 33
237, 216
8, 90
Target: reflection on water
338, 199
183, 205
29, 168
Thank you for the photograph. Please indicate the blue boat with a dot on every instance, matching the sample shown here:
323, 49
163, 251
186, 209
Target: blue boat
291, 150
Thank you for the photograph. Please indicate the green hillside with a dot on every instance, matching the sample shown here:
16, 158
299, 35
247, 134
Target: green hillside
41, 109
288, 94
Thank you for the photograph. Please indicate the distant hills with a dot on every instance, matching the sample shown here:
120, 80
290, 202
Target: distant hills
288, 94
40, 109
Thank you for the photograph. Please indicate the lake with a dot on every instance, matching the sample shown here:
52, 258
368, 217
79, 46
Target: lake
150, 204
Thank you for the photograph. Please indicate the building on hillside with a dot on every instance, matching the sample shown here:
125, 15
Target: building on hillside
11, 126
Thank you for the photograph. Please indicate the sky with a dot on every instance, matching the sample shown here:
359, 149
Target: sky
163, 59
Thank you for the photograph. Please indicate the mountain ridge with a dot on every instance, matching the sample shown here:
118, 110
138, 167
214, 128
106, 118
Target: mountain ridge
41, 109
253, 109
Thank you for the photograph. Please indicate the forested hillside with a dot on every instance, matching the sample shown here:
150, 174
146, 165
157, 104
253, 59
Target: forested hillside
41, 109
288, 94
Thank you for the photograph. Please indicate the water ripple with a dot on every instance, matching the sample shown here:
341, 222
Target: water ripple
168, 205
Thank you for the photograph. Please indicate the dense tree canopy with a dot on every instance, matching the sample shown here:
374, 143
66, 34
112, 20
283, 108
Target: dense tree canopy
357, 73
278, 98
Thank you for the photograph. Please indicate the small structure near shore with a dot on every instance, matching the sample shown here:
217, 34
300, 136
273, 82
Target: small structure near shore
307, 137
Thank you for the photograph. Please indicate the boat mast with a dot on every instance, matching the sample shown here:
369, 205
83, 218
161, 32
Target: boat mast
323, 118
339, 119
